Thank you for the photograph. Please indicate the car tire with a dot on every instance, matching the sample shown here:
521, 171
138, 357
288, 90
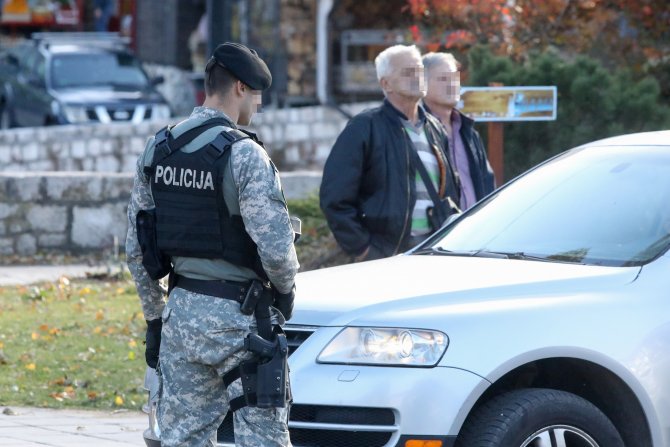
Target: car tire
532, 417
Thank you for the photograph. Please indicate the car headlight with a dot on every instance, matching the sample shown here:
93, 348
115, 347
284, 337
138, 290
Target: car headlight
385, 346
75, 114
160, 111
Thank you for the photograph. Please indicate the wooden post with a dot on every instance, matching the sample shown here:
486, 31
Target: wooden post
496, 147
495, 151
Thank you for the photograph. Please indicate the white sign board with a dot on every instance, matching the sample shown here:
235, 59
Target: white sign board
533, 103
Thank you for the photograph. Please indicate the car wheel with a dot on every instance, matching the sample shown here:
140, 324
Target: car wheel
538, 418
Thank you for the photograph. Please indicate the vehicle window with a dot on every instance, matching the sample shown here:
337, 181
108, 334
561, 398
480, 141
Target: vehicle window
604, 206
97, 69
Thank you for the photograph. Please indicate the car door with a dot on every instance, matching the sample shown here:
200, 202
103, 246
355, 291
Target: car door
9, 67
32, 103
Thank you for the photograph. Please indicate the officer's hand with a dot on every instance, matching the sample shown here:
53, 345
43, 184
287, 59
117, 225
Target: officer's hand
284, 303
153, 341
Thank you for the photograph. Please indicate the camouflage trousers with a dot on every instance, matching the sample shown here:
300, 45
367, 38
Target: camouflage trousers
202, 339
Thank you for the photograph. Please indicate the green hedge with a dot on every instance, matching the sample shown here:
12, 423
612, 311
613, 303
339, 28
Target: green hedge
593, 103
317, 247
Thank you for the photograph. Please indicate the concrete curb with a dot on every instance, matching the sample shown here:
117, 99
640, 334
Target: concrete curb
31, 274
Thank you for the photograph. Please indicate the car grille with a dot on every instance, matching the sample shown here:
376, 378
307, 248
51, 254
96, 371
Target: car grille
326, 426
296, 335
104, 114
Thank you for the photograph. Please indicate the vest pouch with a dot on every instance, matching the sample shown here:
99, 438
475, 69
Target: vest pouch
155, 263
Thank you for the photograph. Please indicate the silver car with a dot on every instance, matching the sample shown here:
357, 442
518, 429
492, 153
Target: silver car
538, 318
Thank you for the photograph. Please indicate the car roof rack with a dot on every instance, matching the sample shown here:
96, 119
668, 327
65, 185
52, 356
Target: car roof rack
99, 39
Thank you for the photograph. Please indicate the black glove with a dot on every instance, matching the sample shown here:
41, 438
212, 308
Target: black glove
153, 341
284, 303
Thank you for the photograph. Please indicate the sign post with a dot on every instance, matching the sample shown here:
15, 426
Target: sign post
497, 104
496, 150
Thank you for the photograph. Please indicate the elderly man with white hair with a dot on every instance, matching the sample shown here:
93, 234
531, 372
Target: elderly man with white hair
466, 150
387, 183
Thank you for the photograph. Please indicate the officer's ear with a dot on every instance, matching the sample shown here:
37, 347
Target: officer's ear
240, 88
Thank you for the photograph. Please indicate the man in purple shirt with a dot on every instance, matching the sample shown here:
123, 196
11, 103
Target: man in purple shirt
466, 150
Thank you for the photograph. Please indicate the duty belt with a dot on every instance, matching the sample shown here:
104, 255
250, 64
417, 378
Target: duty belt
229, 290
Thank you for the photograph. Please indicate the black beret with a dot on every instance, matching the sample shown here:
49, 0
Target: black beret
244, 64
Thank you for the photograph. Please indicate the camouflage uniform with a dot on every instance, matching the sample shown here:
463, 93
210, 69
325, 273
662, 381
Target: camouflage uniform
202, 336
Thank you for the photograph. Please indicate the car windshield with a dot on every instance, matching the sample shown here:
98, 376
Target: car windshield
97, 69
597, 206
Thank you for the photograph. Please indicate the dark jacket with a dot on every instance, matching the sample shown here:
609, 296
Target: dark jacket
480, 169
368, 188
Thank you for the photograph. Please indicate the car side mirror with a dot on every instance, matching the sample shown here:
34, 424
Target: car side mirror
157, 80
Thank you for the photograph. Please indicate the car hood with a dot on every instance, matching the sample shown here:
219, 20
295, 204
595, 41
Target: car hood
356, 293
106, 95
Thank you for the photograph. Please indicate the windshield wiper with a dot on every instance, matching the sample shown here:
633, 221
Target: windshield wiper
524, 256
441, 251
519, 255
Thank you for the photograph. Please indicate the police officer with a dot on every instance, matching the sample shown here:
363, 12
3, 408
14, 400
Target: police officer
221, 219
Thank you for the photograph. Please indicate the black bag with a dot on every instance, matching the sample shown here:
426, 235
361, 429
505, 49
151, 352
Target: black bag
442, 207
156, 263
437, 215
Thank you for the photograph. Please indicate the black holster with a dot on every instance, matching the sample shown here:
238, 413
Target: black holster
265, 379
155, 263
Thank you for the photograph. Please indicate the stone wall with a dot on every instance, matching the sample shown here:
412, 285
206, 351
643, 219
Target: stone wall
81, 212
62, 212
296, 138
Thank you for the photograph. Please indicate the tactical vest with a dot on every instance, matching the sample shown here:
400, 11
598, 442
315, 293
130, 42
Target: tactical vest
192, 219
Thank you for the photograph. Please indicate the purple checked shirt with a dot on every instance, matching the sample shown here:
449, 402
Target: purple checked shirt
460, 158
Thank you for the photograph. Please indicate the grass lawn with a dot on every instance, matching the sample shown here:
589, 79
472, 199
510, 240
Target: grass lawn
72, 344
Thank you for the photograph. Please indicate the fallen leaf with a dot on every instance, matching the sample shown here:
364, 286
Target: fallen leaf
92, 395
118, 400
131, 344
54, 331
131, 355
44, 327
97, 330
61, 381
99, 315
30, 366
2, 345
35, 336
120, 291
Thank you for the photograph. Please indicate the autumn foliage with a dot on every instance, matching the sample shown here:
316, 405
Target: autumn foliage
626, 31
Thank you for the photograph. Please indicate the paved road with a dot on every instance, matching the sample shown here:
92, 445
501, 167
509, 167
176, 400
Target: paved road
31, 427
30, 274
